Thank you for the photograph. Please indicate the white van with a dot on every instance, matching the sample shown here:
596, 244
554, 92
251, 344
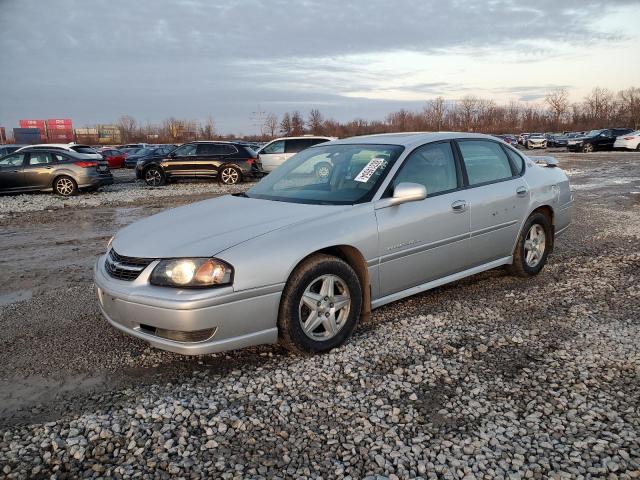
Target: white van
274, 153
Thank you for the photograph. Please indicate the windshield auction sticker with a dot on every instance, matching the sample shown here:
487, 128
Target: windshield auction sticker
369, 169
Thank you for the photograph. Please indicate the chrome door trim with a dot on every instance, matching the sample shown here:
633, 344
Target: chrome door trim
493, 228
440, 281
422, 248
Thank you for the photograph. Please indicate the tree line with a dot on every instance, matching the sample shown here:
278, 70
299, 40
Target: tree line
601, 108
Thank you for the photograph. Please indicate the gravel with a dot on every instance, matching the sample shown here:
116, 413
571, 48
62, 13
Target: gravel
491, 377
124, 191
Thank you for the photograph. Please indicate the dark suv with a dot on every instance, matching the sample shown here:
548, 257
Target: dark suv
596, 140
229, 162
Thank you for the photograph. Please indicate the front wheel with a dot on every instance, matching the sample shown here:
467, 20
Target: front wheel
229, 175
587, 148
154, 177
533, 247
320, 305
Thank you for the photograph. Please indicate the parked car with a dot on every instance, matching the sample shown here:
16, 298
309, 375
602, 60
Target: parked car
115, 158
597, 140
64, 172
229, 162
277, 151
7, 149
629, 141
522, 138
146, 154
299, 259
133, 145
536, 140
87, 150
556, 140
510, 139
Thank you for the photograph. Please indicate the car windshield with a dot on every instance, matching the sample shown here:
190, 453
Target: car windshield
143, 151
594, 133
329, 175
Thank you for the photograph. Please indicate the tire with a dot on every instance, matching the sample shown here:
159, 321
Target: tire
525, 263
65, 186
153, 176
229, 175
322, 170
587, 148
529, 147
312, 279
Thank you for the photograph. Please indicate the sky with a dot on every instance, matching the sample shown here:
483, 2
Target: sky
94, 61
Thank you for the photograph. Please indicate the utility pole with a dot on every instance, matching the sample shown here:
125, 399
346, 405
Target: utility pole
257, 119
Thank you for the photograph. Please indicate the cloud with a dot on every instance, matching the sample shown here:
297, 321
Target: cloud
158, 58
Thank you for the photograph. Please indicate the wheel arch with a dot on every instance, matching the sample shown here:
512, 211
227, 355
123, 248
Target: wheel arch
354, 258
548, 212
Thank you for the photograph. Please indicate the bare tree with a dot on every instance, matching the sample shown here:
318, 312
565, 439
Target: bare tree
558, 103
434, 113
315, 122
599, 106
128, 128
208, 130
270, 127
297, 124
629, 101
468, 109
285, 125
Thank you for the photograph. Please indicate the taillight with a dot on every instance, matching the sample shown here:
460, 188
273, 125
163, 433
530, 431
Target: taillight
85, 164
251, 161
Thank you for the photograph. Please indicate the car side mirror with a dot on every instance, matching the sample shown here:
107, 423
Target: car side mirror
404, 192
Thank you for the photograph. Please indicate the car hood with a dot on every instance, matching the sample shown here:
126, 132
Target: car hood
207, 228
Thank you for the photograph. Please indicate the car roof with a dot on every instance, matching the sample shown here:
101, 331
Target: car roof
303, 137
409, 139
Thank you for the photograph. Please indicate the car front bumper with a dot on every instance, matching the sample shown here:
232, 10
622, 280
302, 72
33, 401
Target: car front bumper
233, 319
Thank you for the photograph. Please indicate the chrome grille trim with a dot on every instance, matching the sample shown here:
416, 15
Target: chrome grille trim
125, 268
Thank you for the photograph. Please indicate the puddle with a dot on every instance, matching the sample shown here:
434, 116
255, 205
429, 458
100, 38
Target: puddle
13, 297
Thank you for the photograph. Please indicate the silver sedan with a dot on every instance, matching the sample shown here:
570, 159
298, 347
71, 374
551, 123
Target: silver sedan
301, 258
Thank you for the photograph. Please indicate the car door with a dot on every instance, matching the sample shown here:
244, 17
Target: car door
38, 169
427, 239
182, 161
12, 172
211, 156
272, 155
605, 140
498, 198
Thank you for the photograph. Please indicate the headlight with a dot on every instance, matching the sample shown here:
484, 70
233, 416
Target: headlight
139, 163
191, 273
110, 242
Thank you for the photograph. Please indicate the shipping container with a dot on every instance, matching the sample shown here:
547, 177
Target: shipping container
27, 136
86, 131
87, 139
59, 121
32, 123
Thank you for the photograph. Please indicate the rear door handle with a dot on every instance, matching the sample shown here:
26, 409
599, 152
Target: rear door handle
459, 206
521, 191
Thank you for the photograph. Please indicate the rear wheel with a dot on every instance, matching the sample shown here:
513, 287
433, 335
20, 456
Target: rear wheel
320, 305
587, 148
154, 177
533, 247
229, 175
65, 186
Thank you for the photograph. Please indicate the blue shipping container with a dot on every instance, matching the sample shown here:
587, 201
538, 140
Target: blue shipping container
28, 136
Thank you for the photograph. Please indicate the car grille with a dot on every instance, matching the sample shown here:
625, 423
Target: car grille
125, 268
179, 336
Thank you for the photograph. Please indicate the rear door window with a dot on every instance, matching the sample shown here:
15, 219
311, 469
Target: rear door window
484, 161
517, 162
297, 145
40, 158
216, 149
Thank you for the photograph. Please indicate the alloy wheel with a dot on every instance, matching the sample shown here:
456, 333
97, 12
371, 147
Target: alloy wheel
64, 186
534, 245
324, 307
230, 176
153, 177
588, 148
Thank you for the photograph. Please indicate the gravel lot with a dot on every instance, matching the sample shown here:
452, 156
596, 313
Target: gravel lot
492, 377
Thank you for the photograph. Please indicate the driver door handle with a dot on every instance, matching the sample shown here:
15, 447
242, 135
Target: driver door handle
521, 191
459, 206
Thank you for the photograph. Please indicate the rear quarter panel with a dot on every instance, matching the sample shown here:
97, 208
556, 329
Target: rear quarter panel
550, 187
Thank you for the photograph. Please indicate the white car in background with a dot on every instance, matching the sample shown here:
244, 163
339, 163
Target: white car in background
630, 141
536, 140
86, 150
277, 151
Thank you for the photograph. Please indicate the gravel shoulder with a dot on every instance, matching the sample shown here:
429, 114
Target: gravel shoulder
491, 377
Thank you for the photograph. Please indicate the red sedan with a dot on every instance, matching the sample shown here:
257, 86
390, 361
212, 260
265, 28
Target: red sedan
115, 158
